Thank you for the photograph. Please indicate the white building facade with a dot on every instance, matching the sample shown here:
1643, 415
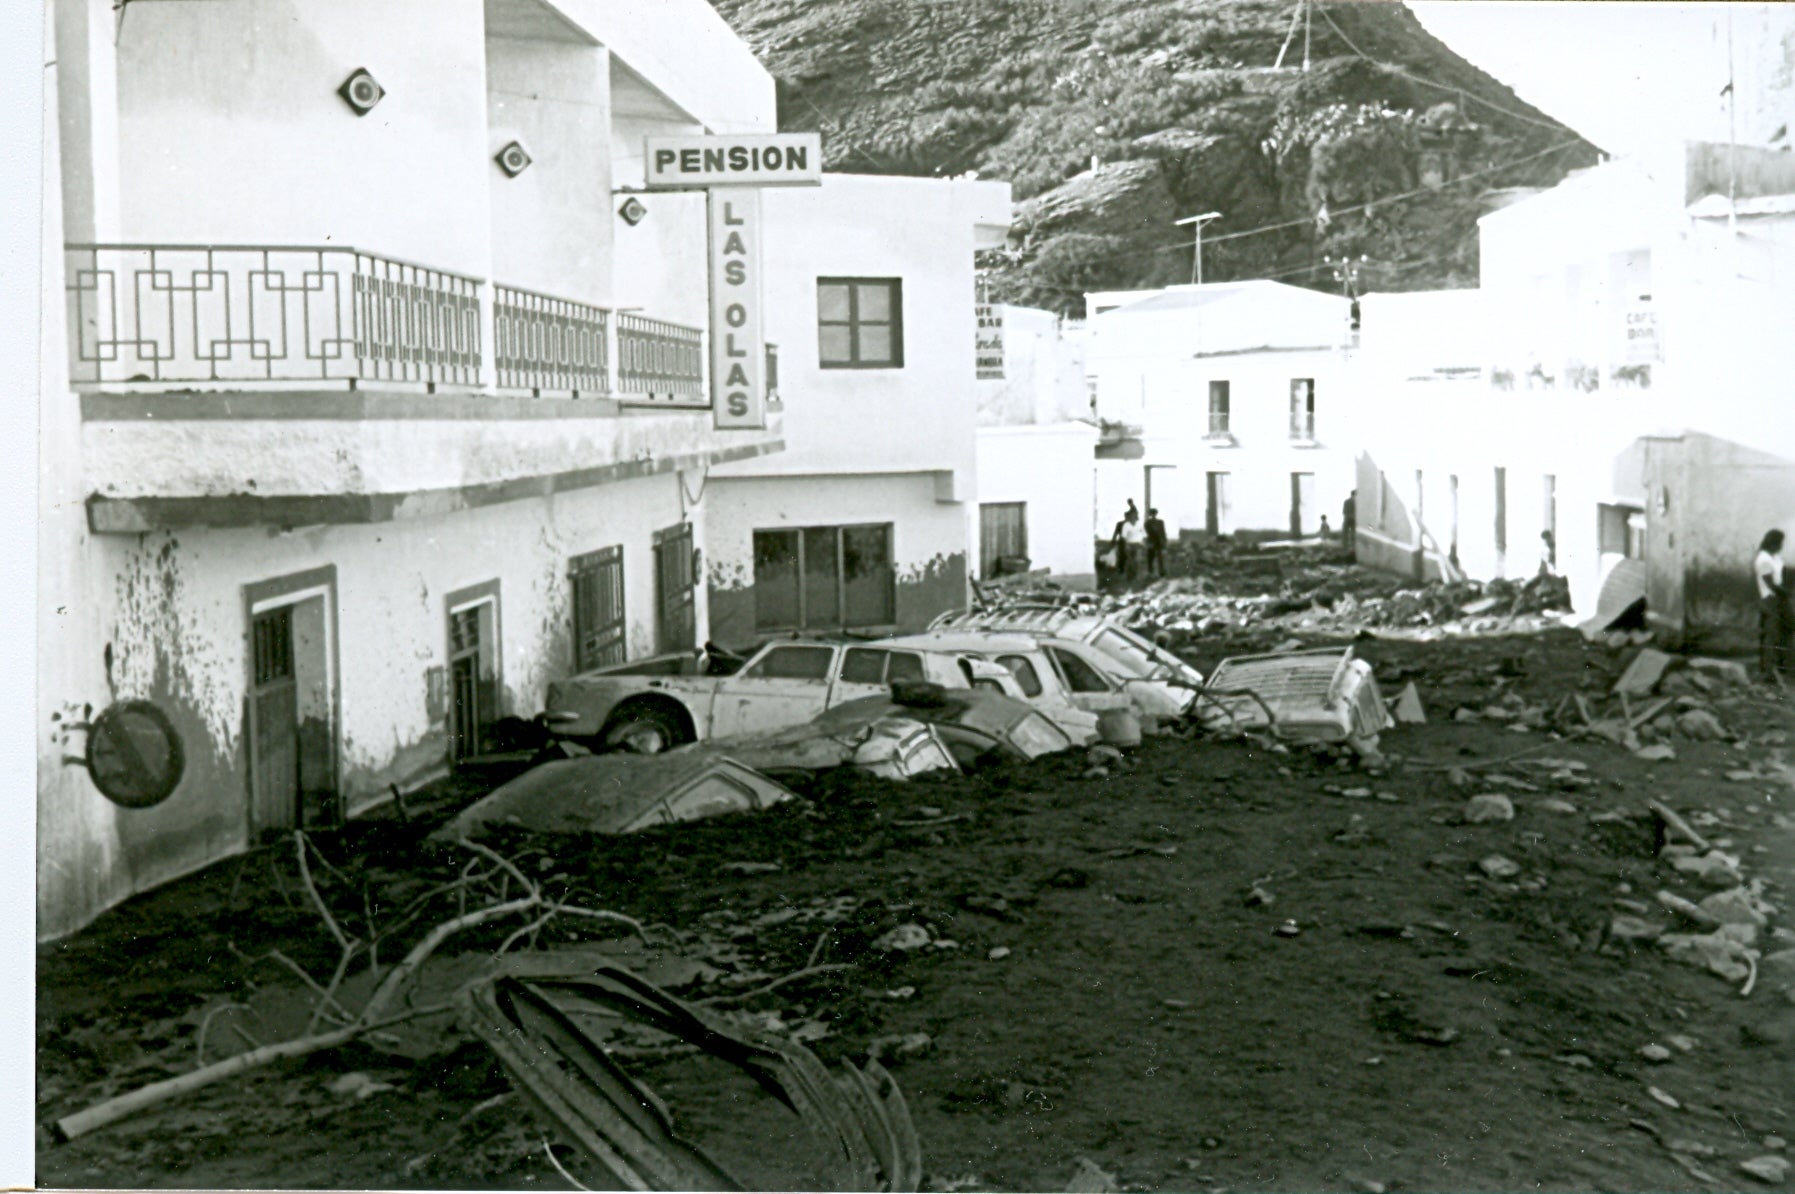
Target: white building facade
364, 414
1036, 442
1618, 381
865, 522
1226, 407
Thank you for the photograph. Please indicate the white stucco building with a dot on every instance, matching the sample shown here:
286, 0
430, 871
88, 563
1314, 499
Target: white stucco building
1619, 380
1238, 393
364, 412
865, 521
1036, 440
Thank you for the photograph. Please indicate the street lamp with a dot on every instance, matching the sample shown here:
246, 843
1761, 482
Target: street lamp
1196, 265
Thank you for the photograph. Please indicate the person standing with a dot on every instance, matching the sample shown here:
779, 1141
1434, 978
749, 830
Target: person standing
1131, 540
1774, 622
1156, 543
1548, 555
1349, 520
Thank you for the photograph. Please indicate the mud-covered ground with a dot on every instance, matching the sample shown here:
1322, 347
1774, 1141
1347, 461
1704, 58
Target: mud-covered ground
1426, 1026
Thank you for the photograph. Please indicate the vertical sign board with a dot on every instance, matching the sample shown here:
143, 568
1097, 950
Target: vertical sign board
738, 353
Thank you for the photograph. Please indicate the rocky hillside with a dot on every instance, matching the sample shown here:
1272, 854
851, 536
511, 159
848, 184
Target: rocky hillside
1114, 118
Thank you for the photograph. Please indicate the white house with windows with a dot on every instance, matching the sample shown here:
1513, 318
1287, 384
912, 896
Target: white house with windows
364, 412
1036, 437
865, 521
1617, 381
1225, 406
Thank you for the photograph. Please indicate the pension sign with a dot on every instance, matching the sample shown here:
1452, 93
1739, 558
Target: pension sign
775, 160
738, 353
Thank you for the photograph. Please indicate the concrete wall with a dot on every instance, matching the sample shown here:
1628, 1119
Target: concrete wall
919, 416
1043, 372
230, 130
930, 539
552, 224
163, 619
1049, 467
1708, 502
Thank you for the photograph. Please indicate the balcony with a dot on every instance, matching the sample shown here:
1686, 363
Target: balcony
305, 385
285, 317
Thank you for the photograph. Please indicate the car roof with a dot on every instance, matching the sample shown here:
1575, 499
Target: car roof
965, 640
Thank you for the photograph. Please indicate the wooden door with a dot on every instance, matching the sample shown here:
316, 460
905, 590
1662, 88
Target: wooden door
598, 613
274, 717
1003, 532
676, 613
467, 714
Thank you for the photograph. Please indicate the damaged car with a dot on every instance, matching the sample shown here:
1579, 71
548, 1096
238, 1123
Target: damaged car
621, 794
655, 704
1156, 680
912, 731
1326, 695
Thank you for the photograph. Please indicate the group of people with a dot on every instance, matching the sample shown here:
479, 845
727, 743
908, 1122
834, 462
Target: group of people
1140, 548
1776, 619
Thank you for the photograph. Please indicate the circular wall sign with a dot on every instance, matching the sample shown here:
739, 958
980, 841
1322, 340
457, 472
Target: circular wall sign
134, 754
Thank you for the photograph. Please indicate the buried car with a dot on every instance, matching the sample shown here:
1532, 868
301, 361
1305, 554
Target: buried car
914, 730
1306, 696
620, 794
1128, 654
658, 703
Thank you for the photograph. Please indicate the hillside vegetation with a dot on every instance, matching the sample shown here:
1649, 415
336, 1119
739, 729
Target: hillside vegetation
1114, 118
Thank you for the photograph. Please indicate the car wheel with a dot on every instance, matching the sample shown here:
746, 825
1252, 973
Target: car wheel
644, 732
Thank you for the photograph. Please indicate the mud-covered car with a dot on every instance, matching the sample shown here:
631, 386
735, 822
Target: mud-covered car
914, 730
1157, 681
1308, 696
665, 701
620, 794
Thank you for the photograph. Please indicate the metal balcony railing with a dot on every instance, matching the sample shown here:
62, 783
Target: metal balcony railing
659, 363
223, 313
547, 344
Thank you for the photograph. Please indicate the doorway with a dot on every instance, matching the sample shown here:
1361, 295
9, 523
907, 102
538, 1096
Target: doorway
1302, 504
1003, 538
676, 611
292, 703
473, 632
1219, 511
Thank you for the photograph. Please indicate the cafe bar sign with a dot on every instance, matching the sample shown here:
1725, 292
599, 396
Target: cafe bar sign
765, 160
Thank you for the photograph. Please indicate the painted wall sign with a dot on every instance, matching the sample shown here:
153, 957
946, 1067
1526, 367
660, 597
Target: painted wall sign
738, 345
776, 160
990, 342
1641, 330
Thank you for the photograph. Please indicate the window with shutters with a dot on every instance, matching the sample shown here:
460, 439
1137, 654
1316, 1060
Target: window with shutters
599, 638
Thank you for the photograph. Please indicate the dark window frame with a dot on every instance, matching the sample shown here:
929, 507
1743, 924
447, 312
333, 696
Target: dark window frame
1220, 389
838, 532
1302, 408
853, 323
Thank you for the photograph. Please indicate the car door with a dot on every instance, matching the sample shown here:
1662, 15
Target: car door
787, 683
870, 671
1086, 685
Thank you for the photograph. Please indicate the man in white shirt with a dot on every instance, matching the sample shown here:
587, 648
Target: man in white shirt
1774, 615
1134, 545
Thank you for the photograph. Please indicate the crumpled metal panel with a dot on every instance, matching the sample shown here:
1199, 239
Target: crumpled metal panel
624, 1129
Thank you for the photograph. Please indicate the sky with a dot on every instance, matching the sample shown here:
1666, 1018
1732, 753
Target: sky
1624, 72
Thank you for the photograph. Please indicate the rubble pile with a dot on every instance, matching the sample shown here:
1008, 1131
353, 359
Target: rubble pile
1319, 597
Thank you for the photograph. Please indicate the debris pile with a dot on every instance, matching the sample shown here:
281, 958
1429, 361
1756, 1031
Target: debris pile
1317, 597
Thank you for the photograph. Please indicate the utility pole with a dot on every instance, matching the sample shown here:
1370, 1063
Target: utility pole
1196, 265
